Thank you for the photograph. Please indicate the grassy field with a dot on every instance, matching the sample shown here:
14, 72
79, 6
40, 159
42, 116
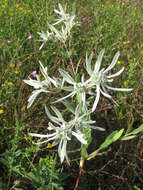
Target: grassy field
113, 25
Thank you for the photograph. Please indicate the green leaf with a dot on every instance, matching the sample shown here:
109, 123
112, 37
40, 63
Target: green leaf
114, 136
57, 112
77, 77
68, 88
66, 76
87, 133
16, 169
93, 154
130, 127
77, 66
69, 106
138, 130
118, 135
125, 138
34, 177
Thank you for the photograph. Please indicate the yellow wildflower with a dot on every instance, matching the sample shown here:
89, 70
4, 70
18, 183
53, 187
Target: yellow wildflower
125, 83
10, 84
118, 62
12, 65
91, 38
124, 43
20, 8
17, 5
3, 6
123, 4
49, 145
1, 43
16, 72
1, 111
25, 11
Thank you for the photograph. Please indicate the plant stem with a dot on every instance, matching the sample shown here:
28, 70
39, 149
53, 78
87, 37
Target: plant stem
77, 181
72, 66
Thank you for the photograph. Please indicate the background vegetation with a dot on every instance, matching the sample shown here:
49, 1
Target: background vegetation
113, 25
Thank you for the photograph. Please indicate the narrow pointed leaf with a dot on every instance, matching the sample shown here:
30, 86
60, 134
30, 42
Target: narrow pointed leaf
138, 130
119, 89
88, 63
116, 74
68, 105
114, 136
99, 60
113, 63
130, 127
128, 137
66, 76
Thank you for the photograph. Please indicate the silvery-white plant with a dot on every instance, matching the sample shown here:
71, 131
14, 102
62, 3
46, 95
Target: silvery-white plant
64, 130
56, 35
93, 82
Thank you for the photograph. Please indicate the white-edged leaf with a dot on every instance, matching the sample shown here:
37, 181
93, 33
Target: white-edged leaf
88, 63
35, 93
41, 136
59, 115
116, 74
97, 128
119, 89
69, 95
52, 118
96, 99
79, 136
36, 84
113, 63
66, 76
98, 62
